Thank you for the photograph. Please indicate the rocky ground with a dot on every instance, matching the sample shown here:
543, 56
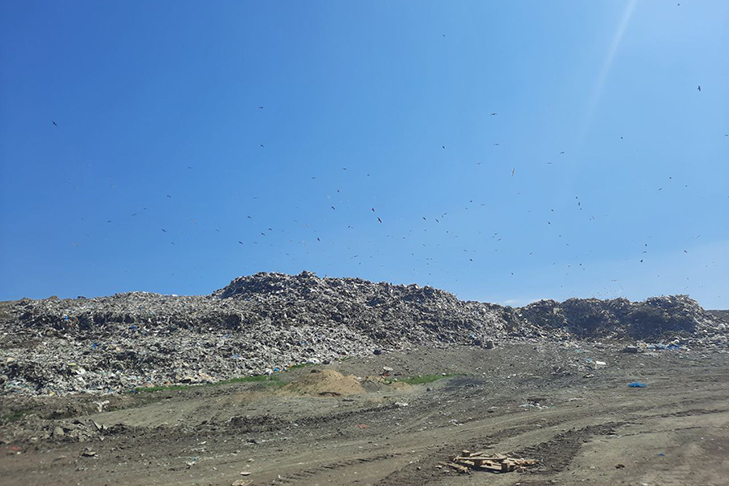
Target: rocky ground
318, 425
280, 379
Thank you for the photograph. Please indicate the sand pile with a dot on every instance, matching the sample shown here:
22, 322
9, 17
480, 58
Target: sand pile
325, 383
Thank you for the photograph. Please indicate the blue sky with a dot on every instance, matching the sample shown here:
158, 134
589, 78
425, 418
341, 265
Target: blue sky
163, 174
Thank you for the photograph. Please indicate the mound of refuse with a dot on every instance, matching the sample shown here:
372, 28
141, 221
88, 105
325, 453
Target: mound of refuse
590, 318
325, 382
267, 322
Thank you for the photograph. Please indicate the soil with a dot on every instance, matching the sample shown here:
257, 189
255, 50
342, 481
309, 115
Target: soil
538, 400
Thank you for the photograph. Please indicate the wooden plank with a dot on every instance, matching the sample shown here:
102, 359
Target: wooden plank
507, 466
457, 467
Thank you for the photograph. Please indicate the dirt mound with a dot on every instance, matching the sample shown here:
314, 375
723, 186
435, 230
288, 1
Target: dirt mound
325, 383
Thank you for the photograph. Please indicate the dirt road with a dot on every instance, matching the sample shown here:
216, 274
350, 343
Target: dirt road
541, 401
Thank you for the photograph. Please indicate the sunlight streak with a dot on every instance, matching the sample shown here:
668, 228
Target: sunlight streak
607, 65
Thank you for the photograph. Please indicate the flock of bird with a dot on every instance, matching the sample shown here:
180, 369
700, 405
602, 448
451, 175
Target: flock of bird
428, 261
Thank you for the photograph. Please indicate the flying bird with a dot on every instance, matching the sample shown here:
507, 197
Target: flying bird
378, 219
54, 123
373, 210
494, 114
260, 107
240, 242
699, 88
261, 145
333, 208
164, 230
513, 171
443, 146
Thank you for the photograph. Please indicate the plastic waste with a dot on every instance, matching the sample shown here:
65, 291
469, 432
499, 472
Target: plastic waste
637, 384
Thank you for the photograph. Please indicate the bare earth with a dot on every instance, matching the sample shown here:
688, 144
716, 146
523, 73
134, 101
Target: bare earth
528, 400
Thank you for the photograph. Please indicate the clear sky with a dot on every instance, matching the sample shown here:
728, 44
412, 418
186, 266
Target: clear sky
512, 150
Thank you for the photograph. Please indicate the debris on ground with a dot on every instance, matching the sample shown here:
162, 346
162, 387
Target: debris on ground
481, 461
637, 384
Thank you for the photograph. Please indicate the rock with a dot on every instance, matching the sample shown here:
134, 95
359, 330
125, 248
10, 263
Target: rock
630, 349
58, 432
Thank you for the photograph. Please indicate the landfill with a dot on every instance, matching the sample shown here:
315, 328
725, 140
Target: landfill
268, 322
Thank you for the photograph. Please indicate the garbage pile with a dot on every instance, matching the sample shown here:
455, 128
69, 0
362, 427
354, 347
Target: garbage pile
620, 318
266, 322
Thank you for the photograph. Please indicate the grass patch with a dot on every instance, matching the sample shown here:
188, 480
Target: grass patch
263, 379
273, 380
14, 416
423, 379
302, 365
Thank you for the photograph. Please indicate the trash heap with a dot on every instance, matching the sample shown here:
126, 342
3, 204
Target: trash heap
268, 321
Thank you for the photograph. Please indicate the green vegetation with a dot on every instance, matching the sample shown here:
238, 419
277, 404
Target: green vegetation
272, 380
14, 416
302, 365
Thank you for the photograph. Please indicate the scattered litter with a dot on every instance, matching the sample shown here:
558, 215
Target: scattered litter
637, 384
100, 405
